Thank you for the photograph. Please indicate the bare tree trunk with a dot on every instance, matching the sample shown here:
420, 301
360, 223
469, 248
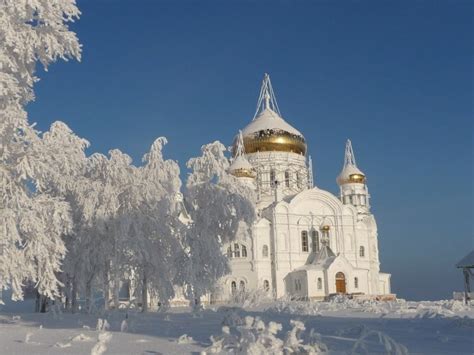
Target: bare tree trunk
74, 295
145, 293
106, 286
67, 293
116, 289
37, 301
89, 295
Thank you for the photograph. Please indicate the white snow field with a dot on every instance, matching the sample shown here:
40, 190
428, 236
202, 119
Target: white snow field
337, 327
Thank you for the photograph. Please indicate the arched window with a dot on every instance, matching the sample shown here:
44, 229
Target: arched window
265, 251
314, 241
361, 251
272, 177
236, 250
356, 282
242, 286
287, 178
229, 252
244, 251
266, 285
320, 283
304, 241
233, 287
298, 180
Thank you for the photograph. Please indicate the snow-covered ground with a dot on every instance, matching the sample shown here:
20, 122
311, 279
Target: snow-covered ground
442, 327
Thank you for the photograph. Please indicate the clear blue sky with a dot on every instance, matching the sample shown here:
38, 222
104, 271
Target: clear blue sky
394, 76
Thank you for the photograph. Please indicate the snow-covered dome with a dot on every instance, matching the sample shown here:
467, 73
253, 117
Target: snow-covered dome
268, 131
269, 119
350, 173
241, 167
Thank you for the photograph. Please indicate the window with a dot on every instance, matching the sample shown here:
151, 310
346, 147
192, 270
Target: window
304, 241
244, 251
287, 178
229, 252
265, 251
233, 287
361, 251
298, 285
242, 286
314, 241
320, 283
266, 285
236, 250
124, 291
356, 282
298, 180
272, 177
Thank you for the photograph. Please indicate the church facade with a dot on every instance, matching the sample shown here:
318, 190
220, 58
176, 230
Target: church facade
306, 242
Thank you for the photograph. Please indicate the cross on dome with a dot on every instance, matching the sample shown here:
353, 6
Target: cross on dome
267, 99
349, 157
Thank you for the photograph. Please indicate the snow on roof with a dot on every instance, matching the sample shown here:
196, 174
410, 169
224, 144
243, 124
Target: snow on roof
320, 260
347, 171
269, 119
467, 261
240, 163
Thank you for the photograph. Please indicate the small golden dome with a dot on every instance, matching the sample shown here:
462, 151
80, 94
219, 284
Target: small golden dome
243, 173
325, 228
351, 175
240, 167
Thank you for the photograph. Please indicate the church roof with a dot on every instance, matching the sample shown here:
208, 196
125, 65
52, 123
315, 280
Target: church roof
320, 260
467, 261
269, 120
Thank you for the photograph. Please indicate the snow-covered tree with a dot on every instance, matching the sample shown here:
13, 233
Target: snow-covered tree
124, 224
151, 227
32, 221
220, 207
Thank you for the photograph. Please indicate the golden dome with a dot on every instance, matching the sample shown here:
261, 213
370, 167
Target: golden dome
240, 167
274, 141
243, 173
268, 132
325, 228
351, 175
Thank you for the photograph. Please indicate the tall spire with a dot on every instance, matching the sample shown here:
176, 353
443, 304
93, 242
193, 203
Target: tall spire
349, 157
266, 99
239, 146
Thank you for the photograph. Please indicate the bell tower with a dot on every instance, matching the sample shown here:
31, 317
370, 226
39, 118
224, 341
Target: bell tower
352, 183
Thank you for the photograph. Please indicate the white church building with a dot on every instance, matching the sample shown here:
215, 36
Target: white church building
306, 242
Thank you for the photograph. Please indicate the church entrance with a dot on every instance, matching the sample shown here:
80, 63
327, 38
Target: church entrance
340, 283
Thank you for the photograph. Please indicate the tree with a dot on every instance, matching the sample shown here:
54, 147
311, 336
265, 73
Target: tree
31, 220
219, 205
